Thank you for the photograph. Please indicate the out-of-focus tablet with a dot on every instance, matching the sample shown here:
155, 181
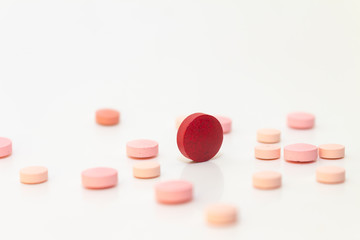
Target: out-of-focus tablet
221, 214
267, 151
330, 174
301, 120
268, 135
99, 178
142, 148
267, 180
331, 151
225, 123
33, 175
179, 120
300, 152
146, 170
107, 117
174, 192
5, 147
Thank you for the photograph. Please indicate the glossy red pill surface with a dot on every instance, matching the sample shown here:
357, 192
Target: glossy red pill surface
199, 137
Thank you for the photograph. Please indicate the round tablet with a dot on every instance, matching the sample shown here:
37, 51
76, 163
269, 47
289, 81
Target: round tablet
268, 135
5, 147
199, 137
301, 120
221, 214
225, 123
331, 151
330, 174
300, 152
99, 178
107, 117
267, 180
142, 148
173, 192
179, 120
33, 175
146, 170
267, 151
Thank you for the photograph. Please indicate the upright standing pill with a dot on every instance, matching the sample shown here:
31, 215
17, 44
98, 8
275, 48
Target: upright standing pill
142, 148
225, 123
99, 178
268, 135
199, 137
331, 151
107, 117
146, 170
5, 147
330, 174
300, 152
33, 175
267, 151
301, 120
174, 192
221, 214
267, 180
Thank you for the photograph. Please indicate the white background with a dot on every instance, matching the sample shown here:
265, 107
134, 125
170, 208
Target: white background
154, 60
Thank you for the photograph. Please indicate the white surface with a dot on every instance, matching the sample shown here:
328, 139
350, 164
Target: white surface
254, 61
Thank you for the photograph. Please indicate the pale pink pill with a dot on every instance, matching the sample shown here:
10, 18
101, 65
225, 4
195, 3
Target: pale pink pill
267, 151
300, 152
5, 147
142, 148
225, 123
146, 170
330, 174
179, 120
99, 178
221, 214
174, 192
33, 175
331, 151
268, 135
267, 180
301, 120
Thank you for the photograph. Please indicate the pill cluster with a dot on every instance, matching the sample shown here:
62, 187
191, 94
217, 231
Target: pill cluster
199, 139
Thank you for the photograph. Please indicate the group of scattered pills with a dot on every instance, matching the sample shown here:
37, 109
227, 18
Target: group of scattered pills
199, 138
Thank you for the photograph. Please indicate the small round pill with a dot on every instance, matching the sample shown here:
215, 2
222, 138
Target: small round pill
146, 170
99, 178
267, 180
331, 151
107, 117
267, 151
174, 192
179, 120
33, 175
225, 123
330, 174
301, 120
268, 135
300, 152
5, 147
142, 148
221, 214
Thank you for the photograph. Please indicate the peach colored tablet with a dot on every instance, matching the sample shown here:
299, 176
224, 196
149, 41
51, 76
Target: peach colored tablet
267, 180
268, 135
331, 151
142, 148
174, 192
267, 151
99, 178
225, 123
33, 175
107, 117
330, 174
146, 170
221, 214
300, 152
5, 147
179, 120
301, 120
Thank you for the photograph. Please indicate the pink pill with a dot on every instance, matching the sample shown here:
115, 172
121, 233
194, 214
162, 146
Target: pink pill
331, 151
33, 175
225, 123
300, 152
146, 170
174, 192
301, 120
268, 135
330, 174
267, 180
267, 151
142, 148
179, 120
99, 178
5, 147
221, 214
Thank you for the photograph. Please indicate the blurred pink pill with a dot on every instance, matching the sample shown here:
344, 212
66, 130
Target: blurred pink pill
267, 151
142, 148
221, 214
5, 147
330, 174
300, 152
99, 178
174, 192
331, 151
301, 120
267, 180
33, 175
225, 123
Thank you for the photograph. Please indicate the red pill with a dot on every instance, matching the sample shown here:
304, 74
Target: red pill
199, 137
